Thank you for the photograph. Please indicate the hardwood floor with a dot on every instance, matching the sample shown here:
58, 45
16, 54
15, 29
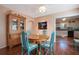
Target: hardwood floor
14, 51
10, 51
63, 46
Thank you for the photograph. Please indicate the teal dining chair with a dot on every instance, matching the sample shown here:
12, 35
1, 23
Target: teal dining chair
48, 45
28, 32
26, 45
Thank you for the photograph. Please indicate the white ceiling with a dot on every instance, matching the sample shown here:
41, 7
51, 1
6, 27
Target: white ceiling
32, 9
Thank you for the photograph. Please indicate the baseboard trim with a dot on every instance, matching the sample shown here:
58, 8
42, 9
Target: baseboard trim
3, 47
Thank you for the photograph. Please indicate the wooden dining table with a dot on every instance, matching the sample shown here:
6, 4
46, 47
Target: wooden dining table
38, 39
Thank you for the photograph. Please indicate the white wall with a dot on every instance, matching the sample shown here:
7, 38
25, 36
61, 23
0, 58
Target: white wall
2, 30
3, 11
29, 23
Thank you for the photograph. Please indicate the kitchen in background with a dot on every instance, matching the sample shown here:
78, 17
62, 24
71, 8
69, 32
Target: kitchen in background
67, 27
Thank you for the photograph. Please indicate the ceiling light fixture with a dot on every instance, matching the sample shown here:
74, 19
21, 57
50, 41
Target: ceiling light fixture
42, 9
64, 19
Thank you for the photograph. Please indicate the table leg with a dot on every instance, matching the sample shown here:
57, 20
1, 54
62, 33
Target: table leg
39, 49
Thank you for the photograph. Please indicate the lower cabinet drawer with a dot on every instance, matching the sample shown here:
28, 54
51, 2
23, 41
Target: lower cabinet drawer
12, 42
14, 39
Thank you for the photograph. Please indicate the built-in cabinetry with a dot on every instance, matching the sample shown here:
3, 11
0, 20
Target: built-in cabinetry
71, 33
15, 24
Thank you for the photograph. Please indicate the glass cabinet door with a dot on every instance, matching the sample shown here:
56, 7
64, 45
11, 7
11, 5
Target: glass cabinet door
14, 25
22, 24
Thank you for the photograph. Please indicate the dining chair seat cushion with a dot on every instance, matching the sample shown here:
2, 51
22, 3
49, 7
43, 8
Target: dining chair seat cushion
32, 46
46, 44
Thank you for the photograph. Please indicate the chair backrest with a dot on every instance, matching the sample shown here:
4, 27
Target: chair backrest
24, 40
52, 40
28, 32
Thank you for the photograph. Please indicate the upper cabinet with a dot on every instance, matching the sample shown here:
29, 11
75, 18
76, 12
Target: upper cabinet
22, 24
15, 25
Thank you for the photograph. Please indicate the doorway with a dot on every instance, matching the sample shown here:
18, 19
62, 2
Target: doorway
67, 29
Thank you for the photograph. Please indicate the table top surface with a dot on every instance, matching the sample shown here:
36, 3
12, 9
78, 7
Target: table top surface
38, 38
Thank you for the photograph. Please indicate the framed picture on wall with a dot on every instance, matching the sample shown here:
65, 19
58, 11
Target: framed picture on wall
42, 25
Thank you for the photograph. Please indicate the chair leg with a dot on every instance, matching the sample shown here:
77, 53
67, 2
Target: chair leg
22, 51
40, 50
28, 53
51, 51
46, 51
37, 50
